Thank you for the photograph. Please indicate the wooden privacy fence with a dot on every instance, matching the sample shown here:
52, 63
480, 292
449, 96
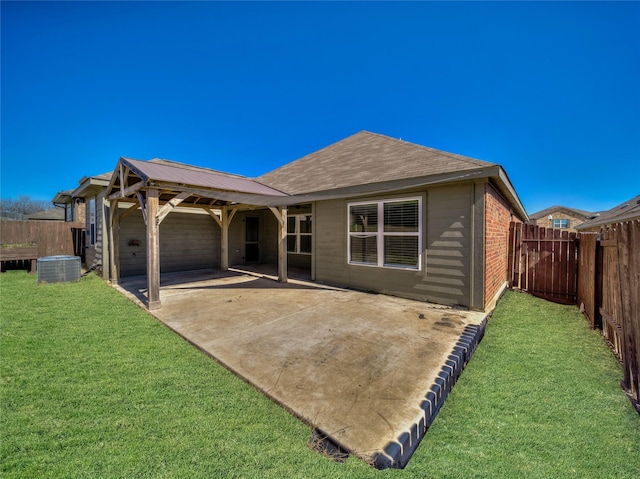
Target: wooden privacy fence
609, 294
51, 237
600, 272
542, 261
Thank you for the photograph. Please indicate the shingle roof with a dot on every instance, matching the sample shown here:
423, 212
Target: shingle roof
53, 214
163, 170
548, 211
626, 210
365, 158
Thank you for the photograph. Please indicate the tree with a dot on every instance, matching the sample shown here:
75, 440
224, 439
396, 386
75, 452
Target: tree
18, 208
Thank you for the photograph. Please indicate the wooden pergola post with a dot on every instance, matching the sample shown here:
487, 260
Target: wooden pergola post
153, 249
226, 217
223, 222
281, 215
114, 242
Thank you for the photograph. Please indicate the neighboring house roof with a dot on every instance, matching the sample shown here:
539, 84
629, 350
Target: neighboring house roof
627, 210
53, 214
553, 209
365, 158
92, 185
62, 197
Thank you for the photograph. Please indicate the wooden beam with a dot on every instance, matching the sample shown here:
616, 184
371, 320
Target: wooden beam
121, 176
129, 210
153, 250
202, 192
224, 239
114, 243
129, 190
223, 221
227, 216
214, 216
276, 213
143, 205
232, 213
171, 204
281, 215
194, 191
115, 175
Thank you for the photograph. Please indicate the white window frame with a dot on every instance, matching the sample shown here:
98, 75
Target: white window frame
381, 234
562, 222
298, 234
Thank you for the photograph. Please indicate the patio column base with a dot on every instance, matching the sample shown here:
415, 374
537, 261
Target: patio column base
151, 305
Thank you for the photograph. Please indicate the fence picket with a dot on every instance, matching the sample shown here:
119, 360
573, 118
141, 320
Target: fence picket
599, 272
52, 237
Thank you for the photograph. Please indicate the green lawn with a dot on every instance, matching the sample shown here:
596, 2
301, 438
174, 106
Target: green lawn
92, 386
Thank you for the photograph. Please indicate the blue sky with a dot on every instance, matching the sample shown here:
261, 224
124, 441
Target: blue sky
551, 91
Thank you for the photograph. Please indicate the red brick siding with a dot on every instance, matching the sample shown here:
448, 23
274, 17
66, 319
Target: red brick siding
496, 239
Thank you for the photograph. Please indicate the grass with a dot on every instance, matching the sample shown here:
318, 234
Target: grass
92, 386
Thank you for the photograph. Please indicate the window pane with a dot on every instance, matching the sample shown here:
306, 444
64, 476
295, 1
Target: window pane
364, 218
560, 223
305, 243
401, 251
401, 216
291, 224
305, 224
291, 243
364, 249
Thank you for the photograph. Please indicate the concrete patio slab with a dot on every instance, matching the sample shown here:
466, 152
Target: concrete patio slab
368, 370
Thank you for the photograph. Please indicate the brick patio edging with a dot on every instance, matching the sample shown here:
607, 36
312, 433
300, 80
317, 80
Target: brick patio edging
397, 453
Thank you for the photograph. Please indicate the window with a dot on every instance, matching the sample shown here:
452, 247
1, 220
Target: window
92, 221
386, 233
299, 234
68, 212
562, 223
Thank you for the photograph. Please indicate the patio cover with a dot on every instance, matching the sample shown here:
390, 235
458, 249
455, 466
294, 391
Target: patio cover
157, 187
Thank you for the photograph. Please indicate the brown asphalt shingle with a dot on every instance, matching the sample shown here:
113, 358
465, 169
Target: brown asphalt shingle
162, 170
364, 158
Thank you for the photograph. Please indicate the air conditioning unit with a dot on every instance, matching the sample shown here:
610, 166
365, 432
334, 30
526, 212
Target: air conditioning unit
58, 269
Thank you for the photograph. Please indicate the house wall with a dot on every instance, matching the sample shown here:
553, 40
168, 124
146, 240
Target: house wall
268, 234
188, 241
446, 275
79, 210
496, 237
574, 220
95, 255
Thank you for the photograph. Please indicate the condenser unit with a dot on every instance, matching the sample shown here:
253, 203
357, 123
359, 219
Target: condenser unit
58, 269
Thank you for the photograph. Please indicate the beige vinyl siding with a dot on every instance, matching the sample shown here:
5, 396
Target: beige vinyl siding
330, 237
187, 242
94, 254
447, 231
268, 237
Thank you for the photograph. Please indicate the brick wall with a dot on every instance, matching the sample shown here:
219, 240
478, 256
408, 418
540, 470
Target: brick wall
496, 239
574, 221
